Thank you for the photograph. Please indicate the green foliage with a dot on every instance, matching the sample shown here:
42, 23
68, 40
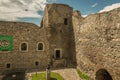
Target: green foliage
56, 76
82, 75
42, 76
39, 76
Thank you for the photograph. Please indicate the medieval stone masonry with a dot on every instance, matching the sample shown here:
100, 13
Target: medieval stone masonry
64, 39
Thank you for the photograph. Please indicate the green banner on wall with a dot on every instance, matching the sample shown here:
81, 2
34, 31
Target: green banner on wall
6, 43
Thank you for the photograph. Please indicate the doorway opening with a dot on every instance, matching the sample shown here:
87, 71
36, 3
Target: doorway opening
57, 54
103, 74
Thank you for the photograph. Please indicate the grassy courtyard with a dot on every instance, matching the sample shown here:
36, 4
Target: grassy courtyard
42, 76
82, 75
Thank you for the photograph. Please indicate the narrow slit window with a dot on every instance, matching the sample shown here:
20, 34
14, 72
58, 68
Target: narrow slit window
65, 21
23, 46
40, 46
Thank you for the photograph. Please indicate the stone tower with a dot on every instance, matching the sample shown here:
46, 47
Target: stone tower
57, 22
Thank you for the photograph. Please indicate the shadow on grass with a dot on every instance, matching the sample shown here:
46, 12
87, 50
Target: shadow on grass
53, 79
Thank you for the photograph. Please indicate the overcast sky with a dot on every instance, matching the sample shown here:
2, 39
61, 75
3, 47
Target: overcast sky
32, 10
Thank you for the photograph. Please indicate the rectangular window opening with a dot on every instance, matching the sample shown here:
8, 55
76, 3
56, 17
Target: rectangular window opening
36, 63
65, 21
8, 65
57, 54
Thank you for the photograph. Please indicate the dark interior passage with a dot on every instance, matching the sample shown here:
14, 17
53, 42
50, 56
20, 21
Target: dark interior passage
102, 74
57, 54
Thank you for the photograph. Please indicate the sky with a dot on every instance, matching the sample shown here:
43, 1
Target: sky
32, 10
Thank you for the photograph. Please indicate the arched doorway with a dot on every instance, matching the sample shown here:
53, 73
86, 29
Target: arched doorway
103, 74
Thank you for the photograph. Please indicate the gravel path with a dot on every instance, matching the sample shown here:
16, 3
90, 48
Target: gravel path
68, 74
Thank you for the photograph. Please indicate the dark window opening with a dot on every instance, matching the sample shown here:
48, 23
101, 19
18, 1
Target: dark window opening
40, 46
24, 46
8, 65
57, 54
61, 31
36, 63
65, 21
102, 74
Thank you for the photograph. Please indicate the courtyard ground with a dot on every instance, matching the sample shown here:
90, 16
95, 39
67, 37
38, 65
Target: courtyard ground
67, 74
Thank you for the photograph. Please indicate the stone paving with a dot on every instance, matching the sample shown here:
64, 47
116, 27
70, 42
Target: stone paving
68, 74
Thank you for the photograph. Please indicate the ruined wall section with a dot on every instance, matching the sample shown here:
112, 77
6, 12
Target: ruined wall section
98, 43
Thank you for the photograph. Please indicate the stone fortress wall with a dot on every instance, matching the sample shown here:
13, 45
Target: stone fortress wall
97, 38
55, 34
27, 33
91, 43
57, 22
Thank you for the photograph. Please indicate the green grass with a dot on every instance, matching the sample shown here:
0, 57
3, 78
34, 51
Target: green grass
82, 75
42, 76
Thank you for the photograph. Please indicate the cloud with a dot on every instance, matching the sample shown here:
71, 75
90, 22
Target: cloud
110, 7
10, 10
87, 14
51, 1
94, 5
84, 15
